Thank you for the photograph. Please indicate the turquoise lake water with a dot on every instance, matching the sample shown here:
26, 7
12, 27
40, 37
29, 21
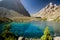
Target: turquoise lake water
34, 28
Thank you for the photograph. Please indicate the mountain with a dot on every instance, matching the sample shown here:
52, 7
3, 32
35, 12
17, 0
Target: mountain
50, 12
9, 13
14, 5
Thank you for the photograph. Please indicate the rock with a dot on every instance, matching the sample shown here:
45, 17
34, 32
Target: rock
20, 38
51, 11
56, 38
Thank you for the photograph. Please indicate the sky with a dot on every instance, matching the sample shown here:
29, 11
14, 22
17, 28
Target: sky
33, 6
0, 0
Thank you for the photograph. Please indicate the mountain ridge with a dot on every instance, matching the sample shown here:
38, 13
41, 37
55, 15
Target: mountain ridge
15, 5
9, 13
51, 11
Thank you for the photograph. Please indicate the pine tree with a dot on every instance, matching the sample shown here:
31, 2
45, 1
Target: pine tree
46, 35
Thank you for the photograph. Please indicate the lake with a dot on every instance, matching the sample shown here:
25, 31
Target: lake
34, 28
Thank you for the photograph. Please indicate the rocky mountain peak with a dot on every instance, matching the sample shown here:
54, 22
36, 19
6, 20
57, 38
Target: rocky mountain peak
51, 5
51, 11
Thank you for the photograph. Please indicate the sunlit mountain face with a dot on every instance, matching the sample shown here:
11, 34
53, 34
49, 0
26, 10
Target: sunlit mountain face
34, 6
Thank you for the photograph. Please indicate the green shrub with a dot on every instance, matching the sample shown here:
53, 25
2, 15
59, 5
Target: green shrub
5, 20
46, 35
7, 34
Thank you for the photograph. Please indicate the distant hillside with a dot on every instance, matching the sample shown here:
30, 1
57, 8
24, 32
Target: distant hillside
9, 13
14, 5
50, 12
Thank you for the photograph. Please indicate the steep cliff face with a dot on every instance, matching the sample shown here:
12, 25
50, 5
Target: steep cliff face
14, 5
51, 11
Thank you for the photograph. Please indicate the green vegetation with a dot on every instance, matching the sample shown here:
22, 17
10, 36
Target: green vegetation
57, 19
10, 38
5, 20
7, 34
46, 35
44, 19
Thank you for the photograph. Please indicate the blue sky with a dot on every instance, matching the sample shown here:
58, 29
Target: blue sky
33, 6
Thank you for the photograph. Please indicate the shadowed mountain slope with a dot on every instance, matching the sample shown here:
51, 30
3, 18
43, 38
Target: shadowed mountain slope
14, 5
9, 13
